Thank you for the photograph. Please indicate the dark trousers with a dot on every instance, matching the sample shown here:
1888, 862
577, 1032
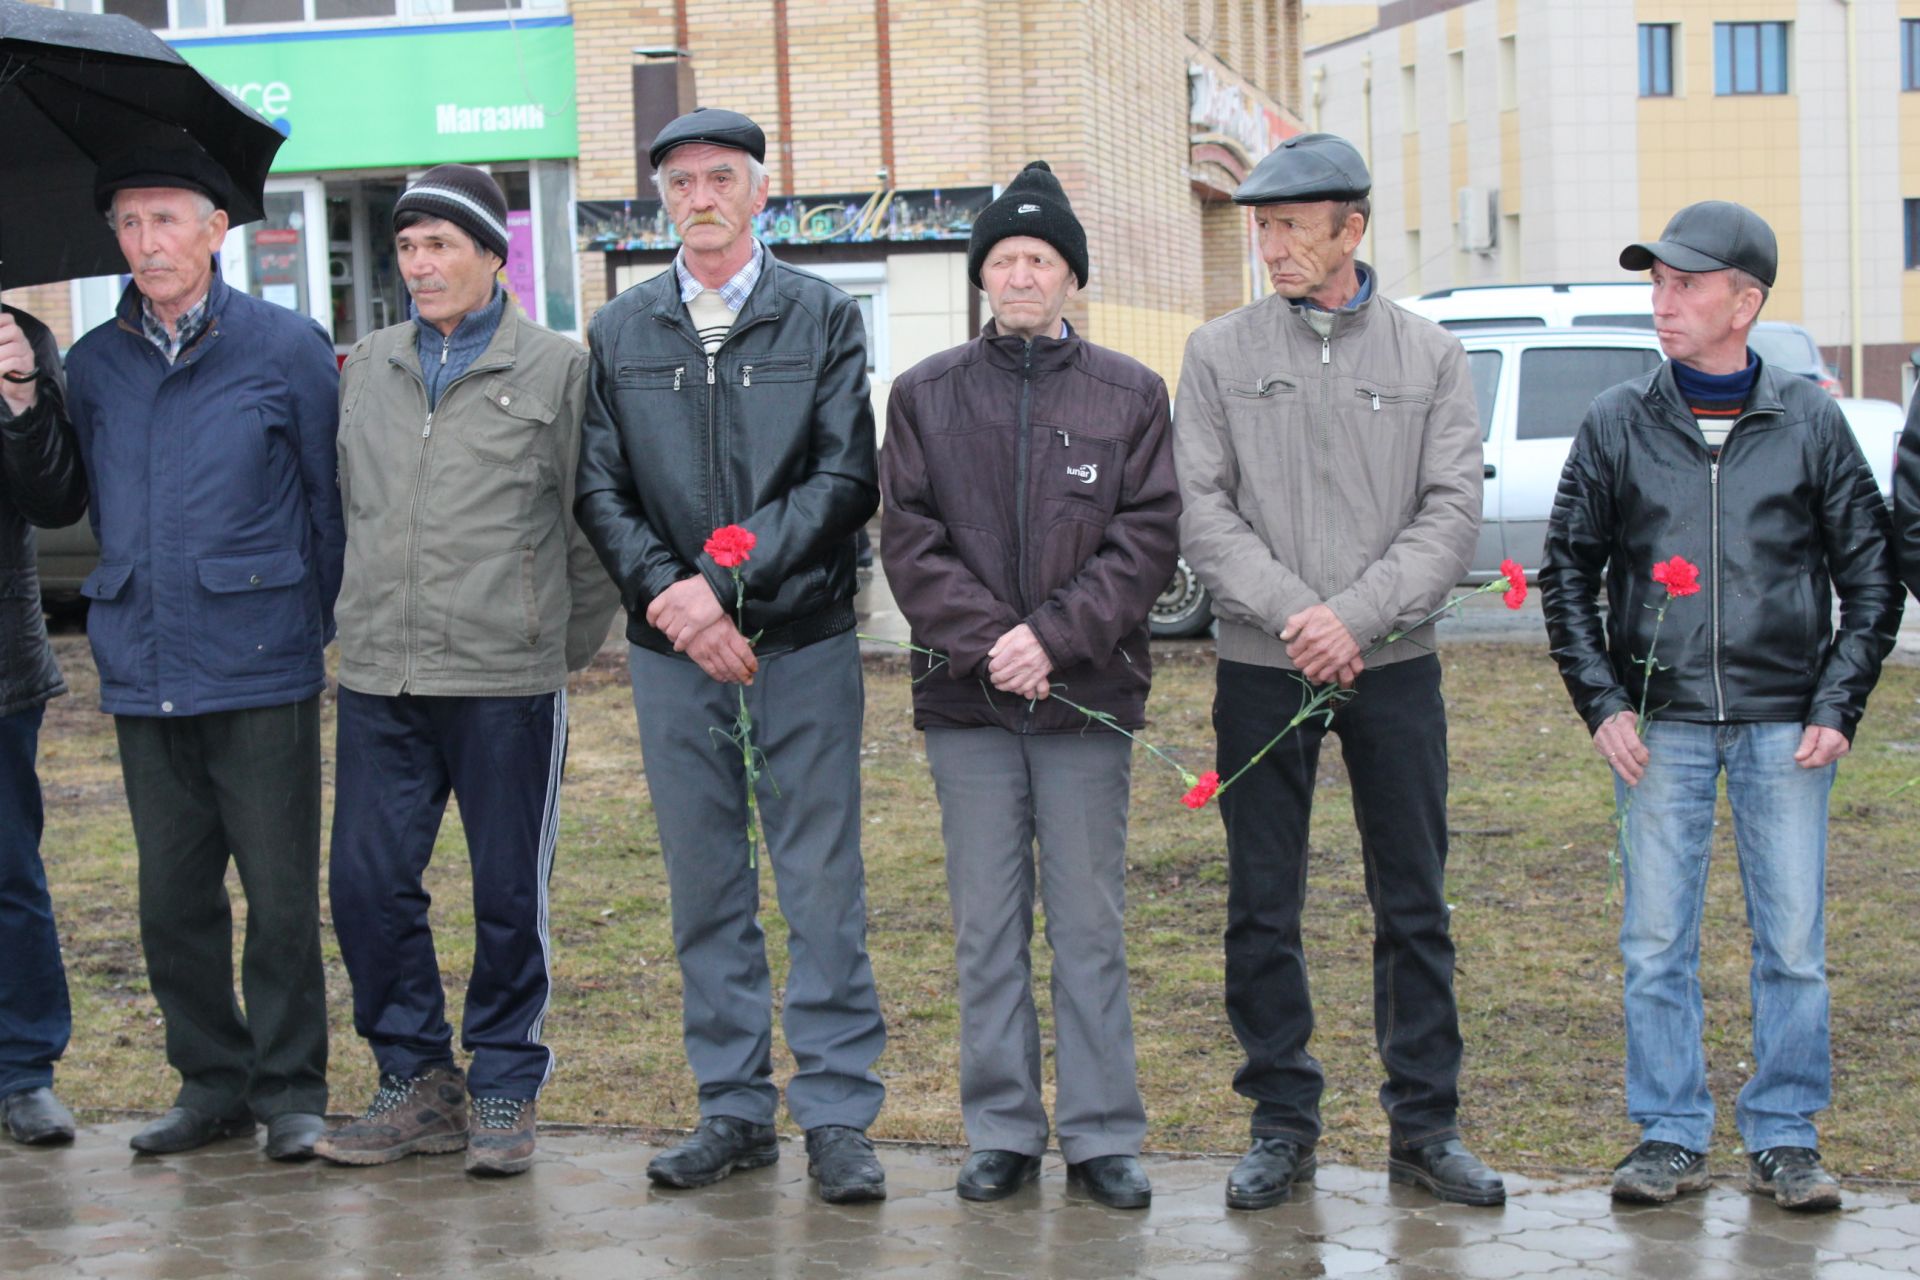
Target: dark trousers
1393, 735
240, 787
34, 1017
399, 759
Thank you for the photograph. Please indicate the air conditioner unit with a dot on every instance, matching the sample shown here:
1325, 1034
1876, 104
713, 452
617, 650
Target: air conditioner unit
1479, 216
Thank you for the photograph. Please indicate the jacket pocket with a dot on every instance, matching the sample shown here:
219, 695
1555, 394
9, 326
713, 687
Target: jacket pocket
502, 429
256, 614
657, 375
1382, 399
1266, 387
123, 649
492, 622
1082, 473
774, 367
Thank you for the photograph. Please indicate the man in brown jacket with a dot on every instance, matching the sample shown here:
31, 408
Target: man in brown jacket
1329, 459
1029, 523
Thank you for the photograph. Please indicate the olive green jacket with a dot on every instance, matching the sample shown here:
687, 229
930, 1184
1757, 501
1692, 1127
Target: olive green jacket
465, 572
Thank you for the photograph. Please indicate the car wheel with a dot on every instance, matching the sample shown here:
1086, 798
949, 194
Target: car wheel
1184, 607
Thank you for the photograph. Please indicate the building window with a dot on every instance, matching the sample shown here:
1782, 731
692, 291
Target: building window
1749, 57
1656, 60
1910, 53
1913, 235
1509, 85
1409, 100
200, 15
1457, 85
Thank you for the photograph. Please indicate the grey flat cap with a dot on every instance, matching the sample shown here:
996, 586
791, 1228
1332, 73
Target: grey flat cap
709, 124
1307, 166
1711, 236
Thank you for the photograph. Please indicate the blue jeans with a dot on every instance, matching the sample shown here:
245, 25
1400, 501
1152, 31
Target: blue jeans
34, 1017
1780, 828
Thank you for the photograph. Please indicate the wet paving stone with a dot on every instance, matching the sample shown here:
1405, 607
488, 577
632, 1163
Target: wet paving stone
587, 1211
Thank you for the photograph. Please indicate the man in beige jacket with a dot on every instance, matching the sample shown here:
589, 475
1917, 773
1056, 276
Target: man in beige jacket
1329, 459
469, 594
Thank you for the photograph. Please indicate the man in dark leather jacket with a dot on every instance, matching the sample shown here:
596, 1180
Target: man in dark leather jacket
732, 390
1753, 478
42, 483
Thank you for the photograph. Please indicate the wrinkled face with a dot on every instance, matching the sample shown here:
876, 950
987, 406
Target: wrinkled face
711, 196
1027, 284
446, 271
168, 237
1302, 245
1697, 313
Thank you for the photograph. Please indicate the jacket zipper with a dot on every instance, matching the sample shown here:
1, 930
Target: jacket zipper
713, 443
1326, 469
1713, 486
1020, 498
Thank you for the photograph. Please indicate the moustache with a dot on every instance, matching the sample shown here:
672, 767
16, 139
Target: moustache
707, 218
432, 284
155, 263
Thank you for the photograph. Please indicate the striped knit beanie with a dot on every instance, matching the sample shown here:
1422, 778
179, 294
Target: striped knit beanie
467, 197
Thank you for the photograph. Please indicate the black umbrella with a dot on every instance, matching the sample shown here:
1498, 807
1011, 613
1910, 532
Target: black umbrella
76, 88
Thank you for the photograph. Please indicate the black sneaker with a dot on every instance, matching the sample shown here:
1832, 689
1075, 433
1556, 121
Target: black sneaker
721, 1145
842, 1161
1794, 1178
1656, 1172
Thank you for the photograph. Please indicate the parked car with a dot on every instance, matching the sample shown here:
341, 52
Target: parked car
1626, 305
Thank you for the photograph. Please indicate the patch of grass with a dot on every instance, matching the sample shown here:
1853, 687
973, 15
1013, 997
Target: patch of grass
1538, 978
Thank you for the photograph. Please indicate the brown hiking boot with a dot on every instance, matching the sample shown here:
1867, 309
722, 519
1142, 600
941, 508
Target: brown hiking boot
501, 1142
426, 1113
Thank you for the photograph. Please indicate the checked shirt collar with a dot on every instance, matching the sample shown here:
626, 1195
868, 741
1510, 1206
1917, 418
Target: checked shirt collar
734, 292
185, 333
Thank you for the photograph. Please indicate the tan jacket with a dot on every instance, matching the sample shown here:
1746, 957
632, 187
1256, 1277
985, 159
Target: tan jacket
466, 574
1343, 471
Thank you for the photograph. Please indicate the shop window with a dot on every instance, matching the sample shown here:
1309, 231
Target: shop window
246, 13
1910, 53
866, 284
1749, 57
1913, 235
325, 10
1656, 59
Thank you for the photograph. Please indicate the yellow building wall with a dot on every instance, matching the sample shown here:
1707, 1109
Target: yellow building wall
1697, 145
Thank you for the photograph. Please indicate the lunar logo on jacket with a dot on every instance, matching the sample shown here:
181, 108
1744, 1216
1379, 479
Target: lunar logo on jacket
1085, 473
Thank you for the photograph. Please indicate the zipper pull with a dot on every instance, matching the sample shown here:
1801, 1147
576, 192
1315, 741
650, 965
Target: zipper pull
1376, 402
746, 375
709, 370
428, 429
446, 344
1326, 350
1065, 441
677, 375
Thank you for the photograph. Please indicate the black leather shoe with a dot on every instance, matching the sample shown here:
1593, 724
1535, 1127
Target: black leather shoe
36, 1117
843, 1163
719, 1146
291, 1135
1448, 1170
1117, 1182
183, 1129
995, 1175
1266, 1174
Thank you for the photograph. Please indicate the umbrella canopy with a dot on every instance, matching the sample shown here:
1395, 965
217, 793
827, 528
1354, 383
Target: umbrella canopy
76, 88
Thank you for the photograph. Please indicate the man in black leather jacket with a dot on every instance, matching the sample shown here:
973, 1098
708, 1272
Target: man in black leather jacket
732, 390
1752, 477
42, 483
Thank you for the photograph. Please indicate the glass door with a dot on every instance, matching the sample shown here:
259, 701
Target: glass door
278, 258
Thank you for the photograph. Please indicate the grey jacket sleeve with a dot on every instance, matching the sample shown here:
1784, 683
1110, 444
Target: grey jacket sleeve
592, 594
1247, 583
1434, 549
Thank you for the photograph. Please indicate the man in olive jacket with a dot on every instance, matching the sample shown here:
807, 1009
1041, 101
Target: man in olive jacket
1329, 459
731, 389
469, 595
1030, 523
42, 483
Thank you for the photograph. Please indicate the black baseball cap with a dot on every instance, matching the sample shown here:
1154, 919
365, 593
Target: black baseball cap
1713, 235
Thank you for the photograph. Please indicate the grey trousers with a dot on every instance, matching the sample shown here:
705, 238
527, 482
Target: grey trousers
807, 708
240, 787
999, 793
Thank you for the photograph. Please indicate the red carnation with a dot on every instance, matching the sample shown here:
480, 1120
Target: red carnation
1678, 577
729, 546
1202, 790
1516, 593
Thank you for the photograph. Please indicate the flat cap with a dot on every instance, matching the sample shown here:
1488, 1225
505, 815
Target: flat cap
184, 167
1307, 166
1712, 235
720, 127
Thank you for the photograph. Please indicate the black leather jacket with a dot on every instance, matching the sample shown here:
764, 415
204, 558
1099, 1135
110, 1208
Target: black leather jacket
42, 483
774, 433
1789, 513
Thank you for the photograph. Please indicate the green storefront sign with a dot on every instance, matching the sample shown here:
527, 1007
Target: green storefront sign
405, 96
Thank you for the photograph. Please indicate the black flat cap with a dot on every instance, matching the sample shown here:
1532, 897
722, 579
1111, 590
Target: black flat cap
1307, 166
185, 167
709, 124
1711, 236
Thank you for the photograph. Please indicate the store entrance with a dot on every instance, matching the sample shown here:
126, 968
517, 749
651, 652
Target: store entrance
363, 277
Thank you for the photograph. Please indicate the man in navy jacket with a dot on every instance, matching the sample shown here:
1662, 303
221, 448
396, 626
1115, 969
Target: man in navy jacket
206, 418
